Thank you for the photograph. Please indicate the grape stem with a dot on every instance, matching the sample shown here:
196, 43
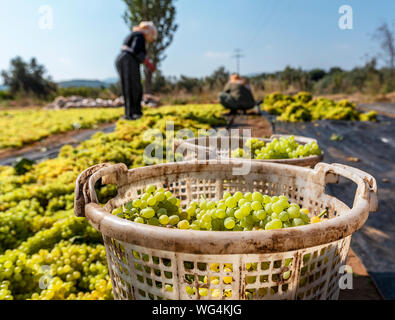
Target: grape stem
322, 213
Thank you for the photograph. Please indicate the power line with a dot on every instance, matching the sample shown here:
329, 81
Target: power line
238, 55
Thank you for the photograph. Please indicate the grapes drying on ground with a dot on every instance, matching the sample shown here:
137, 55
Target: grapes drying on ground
16, 125
237, 212
283, 148
302, 107
45, 251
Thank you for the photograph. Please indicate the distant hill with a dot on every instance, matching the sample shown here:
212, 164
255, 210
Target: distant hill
83, 83
77, 83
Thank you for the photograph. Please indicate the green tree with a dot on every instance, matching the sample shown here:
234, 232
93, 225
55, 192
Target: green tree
386, 38
28, 78
218, 78
162, 13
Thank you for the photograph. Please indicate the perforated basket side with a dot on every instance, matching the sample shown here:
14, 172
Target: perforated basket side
142, 273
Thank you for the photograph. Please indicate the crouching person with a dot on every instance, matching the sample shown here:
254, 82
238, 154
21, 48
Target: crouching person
237, 95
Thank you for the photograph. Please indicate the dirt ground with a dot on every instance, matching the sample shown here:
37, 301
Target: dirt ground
363, 286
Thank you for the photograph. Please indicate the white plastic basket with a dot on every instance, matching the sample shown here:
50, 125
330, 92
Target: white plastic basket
144, 261
221, 147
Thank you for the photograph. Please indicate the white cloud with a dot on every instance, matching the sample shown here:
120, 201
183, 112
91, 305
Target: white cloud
216, 55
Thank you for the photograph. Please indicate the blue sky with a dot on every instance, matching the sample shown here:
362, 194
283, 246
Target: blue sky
86, 35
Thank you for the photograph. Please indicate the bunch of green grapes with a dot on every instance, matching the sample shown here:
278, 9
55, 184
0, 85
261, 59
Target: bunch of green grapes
155, 207
68, 271
238, 212
287, 148
283, 148
302, 107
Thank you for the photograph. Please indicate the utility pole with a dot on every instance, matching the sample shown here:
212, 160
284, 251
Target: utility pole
238, 55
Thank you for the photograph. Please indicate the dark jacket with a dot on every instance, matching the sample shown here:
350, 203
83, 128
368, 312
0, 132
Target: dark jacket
136, 46
241, 94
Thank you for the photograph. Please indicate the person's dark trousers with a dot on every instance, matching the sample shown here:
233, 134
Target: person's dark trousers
132, 90
228, 102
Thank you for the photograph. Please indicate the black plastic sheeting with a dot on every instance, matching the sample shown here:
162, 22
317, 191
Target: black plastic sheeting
374, 145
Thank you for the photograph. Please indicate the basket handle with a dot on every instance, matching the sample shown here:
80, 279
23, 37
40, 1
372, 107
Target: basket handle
366, 184
85, 185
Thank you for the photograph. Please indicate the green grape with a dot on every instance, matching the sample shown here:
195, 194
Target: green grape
241, 202
203, 204
139, 220
245, 209
153, 221
274, 224
287, 224
260, 214
174, 220
206, 218
226, 195
211, 205
162, 211
220, 213
256, 205
164, 219
145, 196
160, 196
143, 204
266, 199
150, 189
268, 208
129, 206
184, 224
257, 196
230, 212
195, 226
248, 196
148, 213
238, 195
231, 202
305, 218
151, 201
297, 222
238, 214
283, 216
277, 207
191, 211
229, 223
293, 212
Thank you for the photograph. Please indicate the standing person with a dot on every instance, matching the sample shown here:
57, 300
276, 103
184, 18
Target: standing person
237, 95
134, 52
